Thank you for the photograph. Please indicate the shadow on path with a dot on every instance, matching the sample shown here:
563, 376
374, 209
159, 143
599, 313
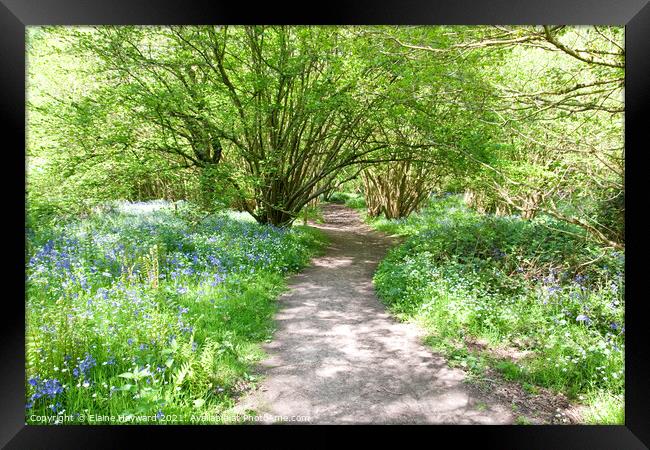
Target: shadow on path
338, 357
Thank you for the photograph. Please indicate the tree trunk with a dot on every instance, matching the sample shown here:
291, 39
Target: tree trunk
276, 217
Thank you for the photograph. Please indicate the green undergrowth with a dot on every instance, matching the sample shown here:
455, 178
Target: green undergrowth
518, 286
145, 313
350, 199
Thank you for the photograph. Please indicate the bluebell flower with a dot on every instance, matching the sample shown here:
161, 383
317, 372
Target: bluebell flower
51, 388
217, 279
86, 364
55, 407
583, 318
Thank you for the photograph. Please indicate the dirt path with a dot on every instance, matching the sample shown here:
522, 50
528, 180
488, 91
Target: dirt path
338, 357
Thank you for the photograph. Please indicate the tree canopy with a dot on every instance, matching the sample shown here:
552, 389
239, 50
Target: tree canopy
267, 119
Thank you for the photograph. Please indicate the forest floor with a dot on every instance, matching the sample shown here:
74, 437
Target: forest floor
339, 357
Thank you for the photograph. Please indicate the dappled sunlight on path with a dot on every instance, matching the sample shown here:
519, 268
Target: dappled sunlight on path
338, 357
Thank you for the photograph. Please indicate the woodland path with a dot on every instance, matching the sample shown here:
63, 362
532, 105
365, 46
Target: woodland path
338, 357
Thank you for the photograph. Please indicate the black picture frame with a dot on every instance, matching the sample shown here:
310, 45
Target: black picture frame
15, 15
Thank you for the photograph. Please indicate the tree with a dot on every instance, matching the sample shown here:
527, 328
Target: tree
556, 100
268, 118
274, 112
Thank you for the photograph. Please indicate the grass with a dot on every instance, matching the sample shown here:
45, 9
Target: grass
146, 313
513, 284
605, 409
351, 199
522, 420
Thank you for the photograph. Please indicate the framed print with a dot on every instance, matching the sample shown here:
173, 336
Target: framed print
372, 214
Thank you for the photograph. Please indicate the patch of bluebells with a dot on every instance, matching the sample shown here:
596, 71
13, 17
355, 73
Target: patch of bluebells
553, 289
43, 389
87, 280
85, 364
